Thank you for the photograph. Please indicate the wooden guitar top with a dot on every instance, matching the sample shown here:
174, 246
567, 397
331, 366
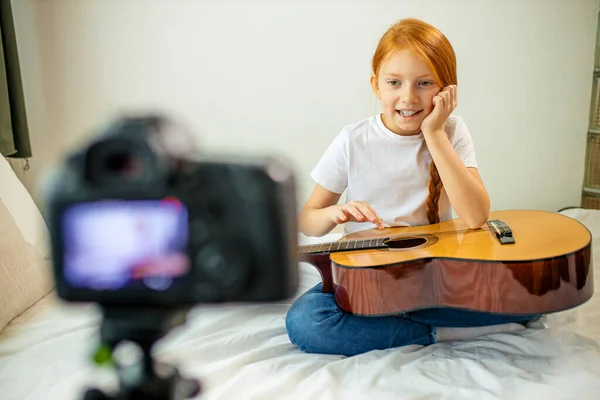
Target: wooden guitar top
538, 235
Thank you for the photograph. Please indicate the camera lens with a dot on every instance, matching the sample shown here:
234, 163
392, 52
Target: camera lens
123, 163
120, 161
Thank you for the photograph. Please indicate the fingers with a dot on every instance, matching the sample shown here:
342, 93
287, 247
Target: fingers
438, 102
356, 213
344, 215
341, 216
448, 96
372, 215
454, 96
366, 211
362, 212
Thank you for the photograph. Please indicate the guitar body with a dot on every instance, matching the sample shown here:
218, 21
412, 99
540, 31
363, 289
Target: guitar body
547, 269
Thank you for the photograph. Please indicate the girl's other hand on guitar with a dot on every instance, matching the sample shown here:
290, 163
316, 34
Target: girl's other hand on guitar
355, 211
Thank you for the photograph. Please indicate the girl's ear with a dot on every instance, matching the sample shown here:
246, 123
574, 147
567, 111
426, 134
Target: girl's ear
375, 86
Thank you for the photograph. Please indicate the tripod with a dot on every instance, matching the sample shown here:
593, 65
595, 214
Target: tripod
147, 379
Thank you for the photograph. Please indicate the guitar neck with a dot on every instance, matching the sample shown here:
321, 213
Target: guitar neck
347, 245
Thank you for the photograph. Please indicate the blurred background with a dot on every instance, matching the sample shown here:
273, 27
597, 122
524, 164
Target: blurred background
284, 76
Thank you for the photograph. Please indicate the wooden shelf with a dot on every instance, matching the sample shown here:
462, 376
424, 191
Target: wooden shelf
590, 196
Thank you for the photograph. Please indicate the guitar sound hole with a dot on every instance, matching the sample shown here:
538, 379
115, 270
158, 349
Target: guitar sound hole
405, 243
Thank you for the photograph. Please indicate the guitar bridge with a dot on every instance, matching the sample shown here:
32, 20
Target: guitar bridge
502, 231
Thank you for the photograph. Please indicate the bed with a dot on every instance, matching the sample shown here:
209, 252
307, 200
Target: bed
243, 352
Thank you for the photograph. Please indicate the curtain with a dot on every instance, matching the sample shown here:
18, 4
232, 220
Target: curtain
14, 133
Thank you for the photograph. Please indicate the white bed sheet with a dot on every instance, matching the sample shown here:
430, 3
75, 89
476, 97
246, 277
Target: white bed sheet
243, 352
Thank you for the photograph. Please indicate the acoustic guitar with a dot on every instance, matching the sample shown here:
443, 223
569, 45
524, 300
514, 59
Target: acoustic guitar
520, 262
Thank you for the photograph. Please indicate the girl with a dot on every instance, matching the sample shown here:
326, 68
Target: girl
406, 166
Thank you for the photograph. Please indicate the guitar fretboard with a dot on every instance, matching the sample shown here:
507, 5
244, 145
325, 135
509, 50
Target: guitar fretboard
343, 246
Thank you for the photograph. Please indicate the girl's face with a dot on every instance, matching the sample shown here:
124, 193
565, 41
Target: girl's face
406, 86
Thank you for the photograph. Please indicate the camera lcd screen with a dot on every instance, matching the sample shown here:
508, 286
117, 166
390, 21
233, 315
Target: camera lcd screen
117, 244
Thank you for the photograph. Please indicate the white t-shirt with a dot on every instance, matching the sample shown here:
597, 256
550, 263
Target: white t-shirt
388, 171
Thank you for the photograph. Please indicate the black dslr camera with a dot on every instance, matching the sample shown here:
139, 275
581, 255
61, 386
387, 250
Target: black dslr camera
140, 218
146, 225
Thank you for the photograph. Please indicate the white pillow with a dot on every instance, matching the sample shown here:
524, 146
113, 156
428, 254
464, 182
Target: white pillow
23, 209
25, 273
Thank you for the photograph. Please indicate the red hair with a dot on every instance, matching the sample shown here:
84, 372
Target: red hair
437, 52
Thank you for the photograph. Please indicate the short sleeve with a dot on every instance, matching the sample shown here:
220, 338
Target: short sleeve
463, 145
331, 171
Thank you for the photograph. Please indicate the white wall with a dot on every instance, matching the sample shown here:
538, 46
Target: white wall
285, 76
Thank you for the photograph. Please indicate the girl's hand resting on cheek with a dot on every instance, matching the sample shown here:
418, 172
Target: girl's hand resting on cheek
443, 105
355, 211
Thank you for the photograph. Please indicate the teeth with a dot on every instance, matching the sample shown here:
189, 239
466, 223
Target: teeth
407, 113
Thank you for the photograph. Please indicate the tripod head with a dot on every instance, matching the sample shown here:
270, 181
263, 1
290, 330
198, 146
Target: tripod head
145, 379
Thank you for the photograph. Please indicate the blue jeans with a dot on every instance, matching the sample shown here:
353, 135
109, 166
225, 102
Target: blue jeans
317, 325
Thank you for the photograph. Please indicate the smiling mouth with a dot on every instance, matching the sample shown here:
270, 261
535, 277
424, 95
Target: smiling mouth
408, 114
